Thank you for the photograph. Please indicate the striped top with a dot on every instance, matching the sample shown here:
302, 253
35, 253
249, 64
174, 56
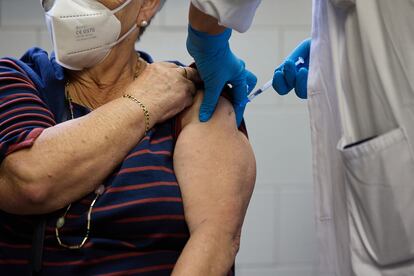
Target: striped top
138, 225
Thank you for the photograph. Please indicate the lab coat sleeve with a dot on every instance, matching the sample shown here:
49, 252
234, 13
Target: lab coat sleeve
235, 14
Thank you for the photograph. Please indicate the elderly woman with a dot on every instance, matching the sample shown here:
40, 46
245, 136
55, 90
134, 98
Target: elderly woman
105, 167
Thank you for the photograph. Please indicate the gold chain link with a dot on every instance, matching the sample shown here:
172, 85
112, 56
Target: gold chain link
144, 108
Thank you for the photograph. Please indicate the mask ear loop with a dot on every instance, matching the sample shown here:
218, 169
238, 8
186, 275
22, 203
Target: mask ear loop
123, 37
121, 7
133, 28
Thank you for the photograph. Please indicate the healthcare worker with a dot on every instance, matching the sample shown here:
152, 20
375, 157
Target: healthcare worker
361, 103
210, 27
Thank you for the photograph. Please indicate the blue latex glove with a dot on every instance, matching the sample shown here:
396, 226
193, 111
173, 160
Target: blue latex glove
218, 66
288, 76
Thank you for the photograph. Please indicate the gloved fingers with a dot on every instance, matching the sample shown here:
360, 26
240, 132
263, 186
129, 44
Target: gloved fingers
239, 111
210, 100
302, 50
251, 81
279, 83
305, 48
289, 71
239, 97
301, 88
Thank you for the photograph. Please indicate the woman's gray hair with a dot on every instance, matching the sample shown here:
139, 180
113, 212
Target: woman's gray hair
142, 29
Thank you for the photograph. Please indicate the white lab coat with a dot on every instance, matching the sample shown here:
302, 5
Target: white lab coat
235, 14
361, 102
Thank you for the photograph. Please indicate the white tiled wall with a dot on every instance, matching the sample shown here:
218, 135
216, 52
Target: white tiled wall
278, 236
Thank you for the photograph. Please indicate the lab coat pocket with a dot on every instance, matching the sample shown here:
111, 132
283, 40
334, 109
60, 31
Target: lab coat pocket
380, 182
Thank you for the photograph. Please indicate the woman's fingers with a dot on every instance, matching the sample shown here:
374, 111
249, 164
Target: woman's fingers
191, 74
165, 88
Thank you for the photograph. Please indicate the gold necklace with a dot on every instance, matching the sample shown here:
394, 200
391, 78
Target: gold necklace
98, 192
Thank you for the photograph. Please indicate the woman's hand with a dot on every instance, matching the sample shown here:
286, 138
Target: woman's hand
165, 89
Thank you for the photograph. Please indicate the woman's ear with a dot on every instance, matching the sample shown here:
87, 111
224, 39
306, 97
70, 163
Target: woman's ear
148, 9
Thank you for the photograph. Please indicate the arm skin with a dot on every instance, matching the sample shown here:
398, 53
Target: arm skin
216, 171
203, 22
71, 159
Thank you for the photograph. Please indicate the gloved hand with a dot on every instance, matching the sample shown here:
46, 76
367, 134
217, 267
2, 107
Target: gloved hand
217, 66
288, 76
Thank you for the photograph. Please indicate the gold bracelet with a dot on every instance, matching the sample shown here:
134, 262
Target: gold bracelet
144, 108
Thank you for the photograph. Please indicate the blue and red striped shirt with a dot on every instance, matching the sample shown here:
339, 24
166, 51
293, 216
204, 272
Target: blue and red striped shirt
138, 225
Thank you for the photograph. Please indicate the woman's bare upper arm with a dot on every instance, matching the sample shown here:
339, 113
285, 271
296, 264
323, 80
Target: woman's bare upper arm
215, 168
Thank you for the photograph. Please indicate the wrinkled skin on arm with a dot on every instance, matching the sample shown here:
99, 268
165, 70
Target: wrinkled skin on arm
216, 171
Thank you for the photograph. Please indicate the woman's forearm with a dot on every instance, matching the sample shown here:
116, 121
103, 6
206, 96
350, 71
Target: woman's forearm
71, 159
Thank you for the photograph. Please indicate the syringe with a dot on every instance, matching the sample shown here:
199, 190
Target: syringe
259, 91
268, 84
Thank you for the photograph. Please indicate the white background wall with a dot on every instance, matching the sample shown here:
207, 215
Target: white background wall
278, 236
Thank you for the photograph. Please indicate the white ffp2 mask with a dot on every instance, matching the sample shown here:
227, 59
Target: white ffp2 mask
83, 32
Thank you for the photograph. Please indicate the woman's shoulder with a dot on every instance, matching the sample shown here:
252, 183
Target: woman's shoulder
39, 66
37, 69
